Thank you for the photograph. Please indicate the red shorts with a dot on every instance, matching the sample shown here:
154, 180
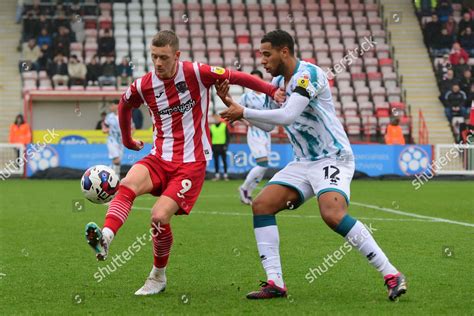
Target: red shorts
181, 182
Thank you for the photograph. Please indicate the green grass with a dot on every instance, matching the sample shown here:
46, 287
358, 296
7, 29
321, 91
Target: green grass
45, 262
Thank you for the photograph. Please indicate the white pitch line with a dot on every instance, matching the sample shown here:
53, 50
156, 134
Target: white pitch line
296, 215
434, 219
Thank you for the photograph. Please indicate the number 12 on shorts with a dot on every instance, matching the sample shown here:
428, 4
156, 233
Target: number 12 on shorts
333, 176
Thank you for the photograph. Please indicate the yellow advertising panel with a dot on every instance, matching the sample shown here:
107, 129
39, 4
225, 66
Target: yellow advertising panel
76, 137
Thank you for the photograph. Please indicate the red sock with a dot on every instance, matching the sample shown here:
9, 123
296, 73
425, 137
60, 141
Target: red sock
162, 241
119, 208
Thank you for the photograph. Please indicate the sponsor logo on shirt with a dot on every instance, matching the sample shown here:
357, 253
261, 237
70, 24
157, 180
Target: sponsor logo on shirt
182, 108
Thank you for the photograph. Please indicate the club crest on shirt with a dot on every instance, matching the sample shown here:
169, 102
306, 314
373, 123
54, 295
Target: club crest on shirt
181, 87
218, 70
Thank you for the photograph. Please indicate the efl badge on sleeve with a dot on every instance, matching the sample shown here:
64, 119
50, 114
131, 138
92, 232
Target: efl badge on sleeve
218, 70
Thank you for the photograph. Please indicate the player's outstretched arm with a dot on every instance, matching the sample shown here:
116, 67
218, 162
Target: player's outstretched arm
283, 116
210, 75
248, 81
222, 88
125, 119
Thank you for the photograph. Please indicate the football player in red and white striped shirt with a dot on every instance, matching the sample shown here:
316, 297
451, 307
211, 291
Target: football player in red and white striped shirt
177, 96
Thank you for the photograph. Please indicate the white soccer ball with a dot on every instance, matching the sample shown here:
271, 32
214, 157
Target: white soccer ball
99, 184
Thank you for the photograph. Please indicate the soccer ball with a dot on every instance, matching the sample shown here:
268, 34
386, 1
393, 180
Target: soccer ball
99, 184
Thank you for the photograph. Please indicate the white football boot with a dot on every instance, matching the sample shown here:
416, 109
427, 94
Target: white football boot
153, 285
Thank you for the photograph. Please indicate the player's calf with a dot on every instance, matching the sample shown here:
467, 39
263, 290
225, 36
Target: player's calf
333, 208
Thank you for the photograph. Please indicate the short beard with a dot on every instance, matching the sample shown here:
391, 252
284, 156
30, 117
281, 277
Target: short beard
280, 69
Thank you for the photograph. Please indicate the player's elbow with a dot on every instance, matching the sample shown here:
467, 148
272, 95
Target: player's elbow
268, 128
287, 120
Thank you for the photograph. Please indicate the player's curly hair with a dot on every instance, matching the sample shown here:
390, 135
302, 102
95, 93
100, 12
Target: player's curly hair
164, 38
280, 39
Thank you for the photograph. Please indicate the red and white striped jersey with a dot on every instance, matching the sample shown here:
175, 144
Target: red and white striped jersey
179, 108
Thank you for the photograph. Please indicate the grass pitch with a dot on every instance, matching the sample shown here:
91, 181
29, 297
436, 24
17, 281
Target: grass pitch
47, 268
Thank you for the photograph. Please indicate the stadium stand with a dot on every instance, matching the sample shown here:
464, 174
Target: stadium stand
366, 86
10, 81
449, 39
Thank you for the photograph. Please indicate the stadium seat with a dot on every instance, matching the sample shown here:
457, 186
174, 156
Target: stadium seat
371, 64
343, 79
362, 94
358, 79
369, 124
352, 125
390, 79
366, 108
349, 108
394, 94
378, 94
382, 123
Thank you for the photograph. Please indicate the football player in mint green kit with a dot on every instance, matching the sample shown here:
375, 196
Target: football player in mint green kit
323, 165
259, 142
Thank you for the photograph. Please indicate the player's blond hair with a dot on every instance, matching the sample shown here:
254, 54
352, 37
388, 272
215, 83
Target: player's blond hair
164, 38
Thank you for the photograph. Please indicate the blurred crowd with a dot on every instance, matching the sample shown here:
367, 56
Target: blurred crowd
450, 41
49, 31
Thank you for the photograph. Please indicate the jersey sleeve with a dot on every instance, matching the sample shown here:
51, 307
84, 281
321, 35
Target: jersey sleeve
132, 97
309, 82
210, 74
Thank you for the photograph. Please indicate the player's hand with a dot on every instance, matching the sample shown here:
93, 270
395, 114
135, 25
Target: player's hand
222, 89
234, 113
135, 145
279, 96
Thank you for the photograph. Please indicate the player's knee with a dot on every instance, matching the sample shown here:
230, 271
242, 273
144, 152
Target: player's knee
332, 212
159, 218
261, 207
129, 184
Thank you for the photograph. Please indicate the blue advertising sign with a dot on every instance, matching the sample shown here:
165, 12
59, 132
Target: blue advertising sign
403, 160
240, 160
374, 160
